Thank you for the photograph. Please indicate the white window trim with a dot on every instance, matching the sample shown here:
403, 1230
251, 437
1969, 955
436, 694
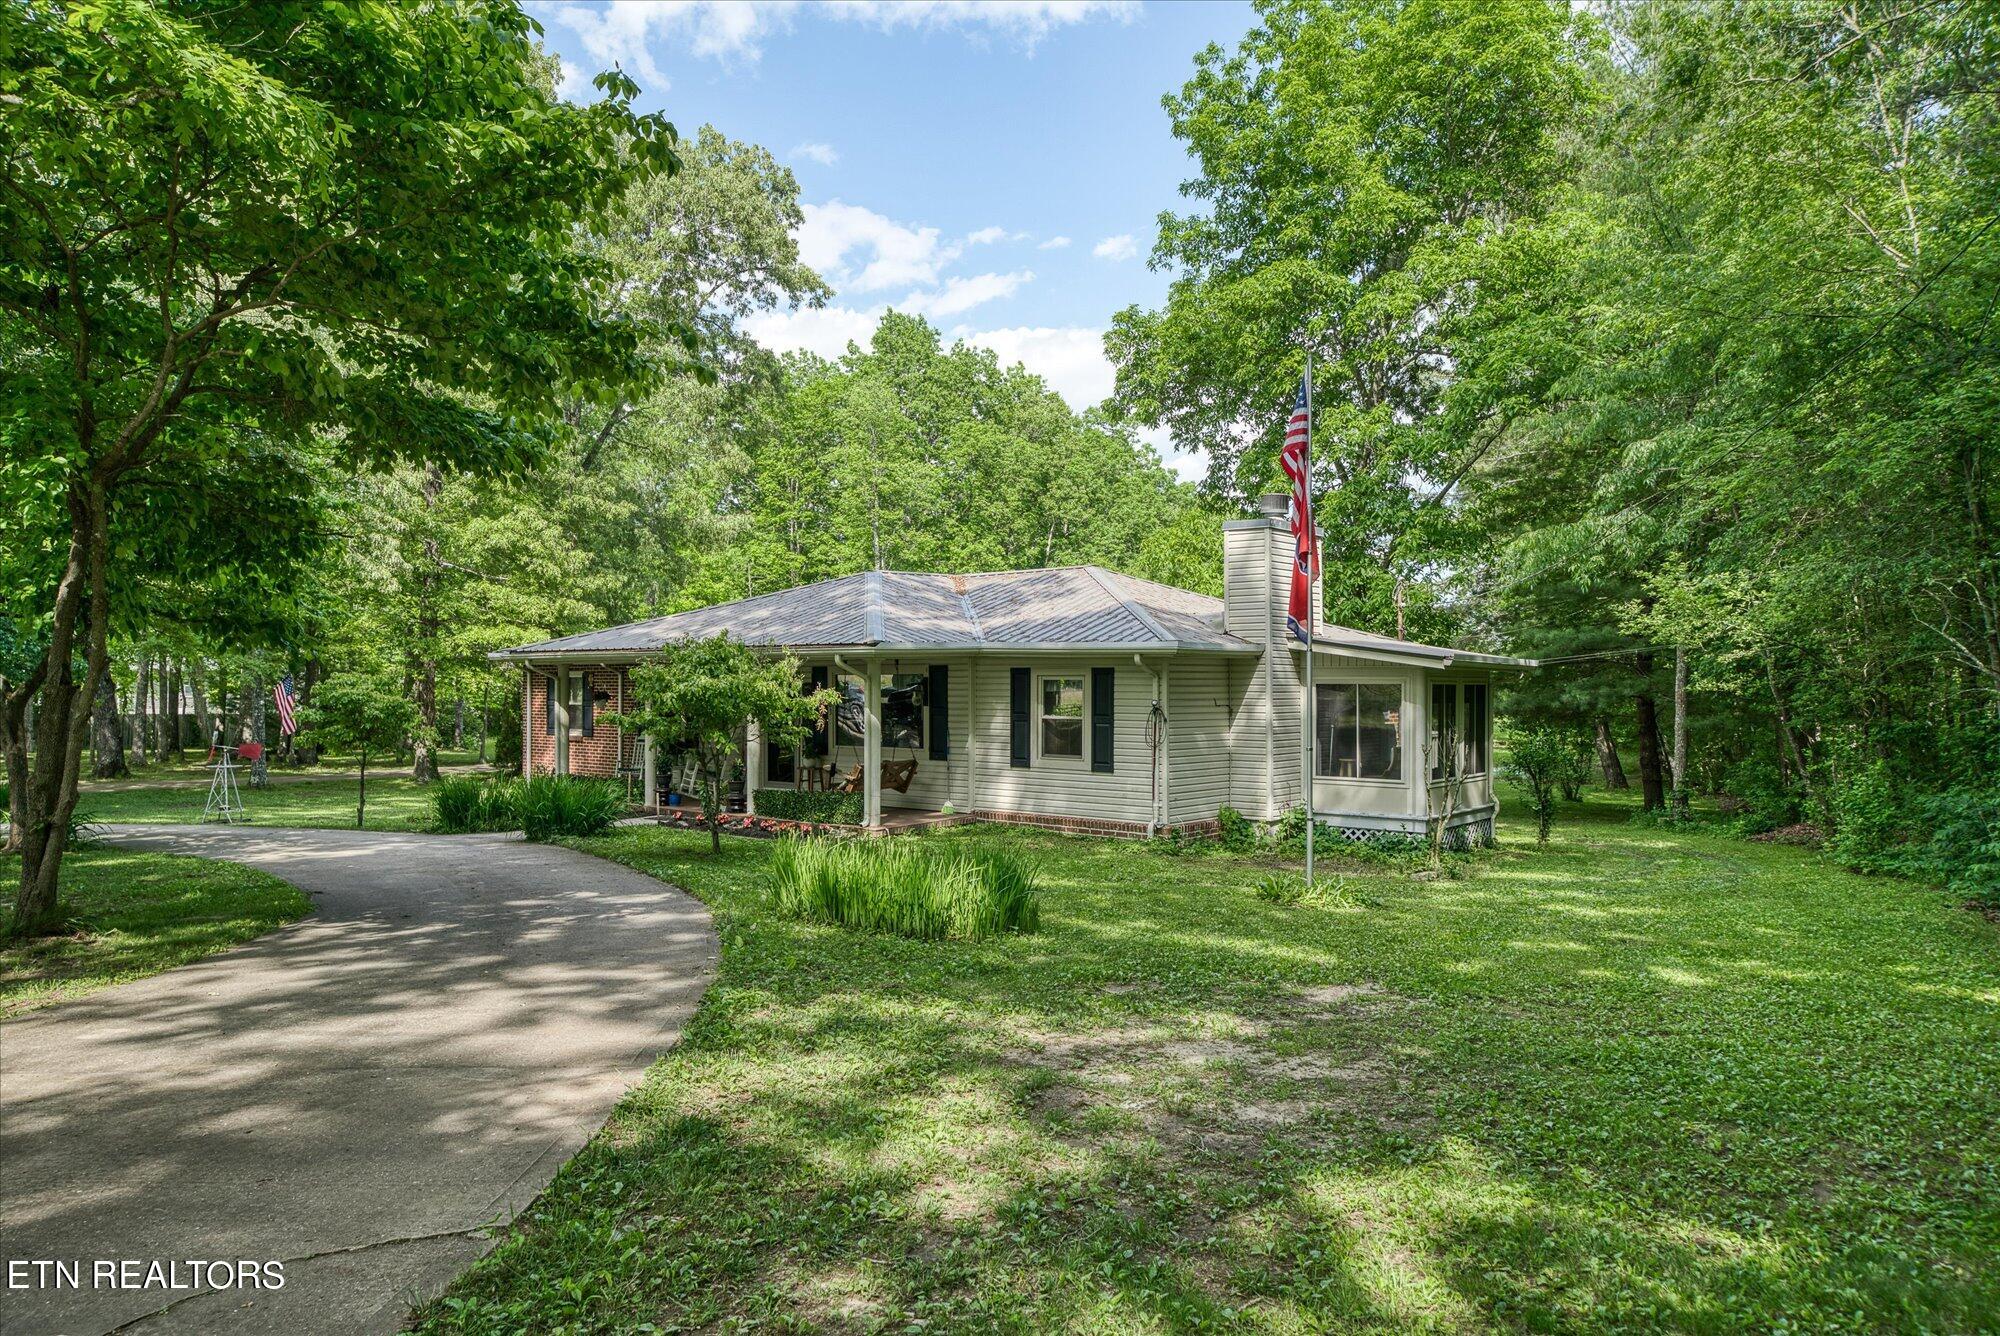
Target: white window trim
1081, 761
1402, 731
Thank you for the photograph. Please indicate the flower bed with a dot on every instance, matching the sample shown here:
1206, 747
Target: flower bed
745, 823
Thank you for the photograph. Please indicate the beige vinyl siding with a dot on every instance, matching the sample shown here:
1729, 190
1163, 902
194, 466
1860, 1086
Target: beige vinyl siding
1070, 787
1198, 752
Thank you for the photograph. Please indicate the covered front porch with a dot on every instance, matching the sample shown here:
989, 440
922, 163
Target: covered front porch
897, 739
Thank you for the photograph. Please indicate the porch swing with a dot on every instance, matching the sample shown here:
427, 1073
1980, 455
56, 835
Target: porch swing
896, 773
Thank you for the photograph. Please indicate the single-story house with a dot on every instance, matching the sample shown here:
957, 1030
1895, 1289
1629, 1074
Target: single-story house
1072, 697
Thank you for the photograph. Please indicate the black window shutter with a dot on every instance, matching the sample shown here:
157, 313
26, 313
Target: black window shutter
819, 733
1018, 686
940, 712
1102, 708
589, 708
549, 703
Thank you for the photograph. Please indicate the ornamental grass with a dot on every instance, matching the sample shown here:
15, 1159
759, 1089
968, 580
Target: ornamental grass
904, 886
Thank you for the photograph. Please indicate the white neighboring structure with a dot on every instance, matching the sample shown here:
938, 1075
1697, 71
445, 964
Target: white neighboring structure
1072, 697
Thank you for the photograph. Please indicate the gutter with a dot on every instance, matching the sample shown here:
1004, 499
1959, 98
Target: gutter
1119, 648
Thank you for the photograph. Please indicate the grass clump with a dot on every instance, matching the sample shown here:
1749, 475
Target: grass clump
554, 807
466, 805
908, 887
1292, 891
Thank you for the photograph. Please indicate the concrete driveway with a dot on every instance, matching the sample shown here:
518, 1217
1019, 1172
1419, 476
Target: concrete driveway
361, 1095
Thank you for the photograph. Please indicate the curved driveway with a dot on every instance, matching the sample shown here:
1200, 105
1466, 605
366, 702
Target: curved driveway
359, 1095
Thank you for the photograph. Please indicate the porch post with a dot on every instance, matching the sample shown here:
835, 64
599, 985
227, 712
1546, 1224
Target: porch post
651, 791
753, 738
560, 685
871, 750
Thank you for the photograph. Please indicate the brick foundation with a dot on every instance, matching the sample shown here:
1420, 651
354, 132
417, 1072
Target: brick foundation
1086, 825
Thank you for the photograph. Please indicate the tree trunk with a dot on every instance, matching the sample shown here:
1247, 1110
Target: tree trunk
1680, 733
1652, 782
1788, 741
260, 769
63, 709
361, 791
308, 753
423, 761
202, 731
1607, 757
142, 698
173, 713
107, 742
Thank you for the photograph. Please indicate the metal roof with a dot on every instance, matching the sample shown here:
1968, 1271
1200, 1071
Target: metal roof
1064, 607
1054, 609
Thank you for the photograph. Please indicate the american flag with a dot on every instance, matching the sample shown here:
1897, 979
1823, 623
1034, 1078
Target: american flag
1296, 459
288, 723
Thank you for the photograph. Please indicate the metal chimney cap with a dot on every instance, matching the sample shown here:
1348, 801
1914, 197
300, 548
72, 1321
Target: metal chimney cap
1276, 505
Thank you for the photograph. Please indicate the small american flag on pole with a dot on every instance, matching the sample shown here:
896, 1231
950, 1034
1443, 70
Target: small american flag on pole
1296, 459
288, 700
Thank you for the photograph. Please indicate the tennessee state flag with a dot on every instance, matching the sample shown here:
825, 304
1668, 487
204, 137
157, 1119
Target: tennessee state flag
1296, 459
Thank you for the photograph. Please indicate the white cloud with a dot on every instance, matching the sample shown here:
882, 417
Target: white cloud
962, 294
1027, 21
826, 330
887, 252
986, 236
618, 35
823, 154
1054, 243
1069, 357
621, 31
1119, 247
572, 84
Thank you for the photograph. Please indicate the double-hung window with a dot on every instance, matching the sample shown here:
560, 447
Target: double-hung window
1359, 730
1062, 718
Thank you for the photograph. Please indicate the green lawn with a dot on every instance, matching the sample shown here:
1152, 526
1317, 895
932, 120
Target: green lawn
394, 803
134, 914
1640, 1081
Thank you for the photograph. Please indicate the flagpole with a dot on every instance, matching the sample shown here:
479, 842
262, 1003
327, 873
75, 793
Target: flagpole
1312, 616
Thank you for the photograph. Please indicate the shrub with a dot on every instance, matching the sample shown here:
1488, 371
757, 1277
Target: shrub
843, 809
1870, 823
565, 806
1537, 763
1235, 831
464, 805
1963, 852
1768, 801
911, 887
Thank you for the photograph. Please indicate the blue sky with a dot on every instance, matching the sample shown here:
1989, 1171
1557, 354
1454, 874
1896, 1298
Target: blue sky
995, 166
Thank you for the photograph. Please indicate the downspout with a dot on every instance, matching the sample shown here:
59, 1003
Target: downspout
1156, 734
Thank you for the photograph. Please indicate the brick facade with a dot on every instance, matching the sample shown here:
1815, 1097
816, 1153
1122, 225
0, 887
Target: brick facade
593, 755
